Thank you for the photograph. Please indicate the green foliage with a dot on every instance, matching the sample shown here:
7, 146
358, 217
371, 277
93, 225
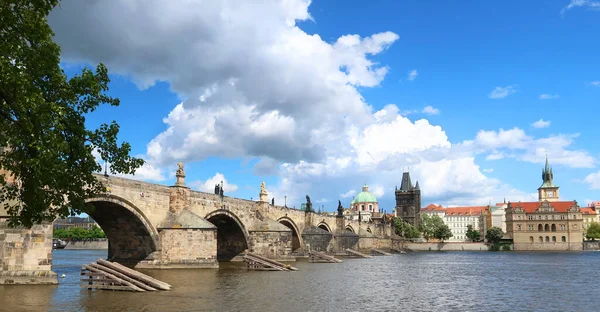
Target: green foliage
495, 247
79, 233
411, 231
472, 234
593, 232
43, 138
505, 247
442, 232
429, 225
494, 235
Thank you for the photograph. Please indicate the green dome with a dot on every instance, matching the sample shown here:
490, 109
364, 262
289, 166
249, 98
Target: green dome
365, 196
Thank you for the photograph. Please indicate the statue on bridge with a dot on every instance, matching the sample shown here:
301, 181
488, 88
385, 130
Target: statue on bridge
217, 191
340, 209
263, 195
308, 204
180, 174
273, 201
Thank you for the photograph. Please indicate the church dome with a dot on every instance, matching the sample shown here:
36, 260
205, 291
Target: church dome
365, 196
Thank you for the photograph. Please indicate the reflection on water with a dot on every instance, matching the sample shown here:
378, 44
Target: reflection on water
443, 281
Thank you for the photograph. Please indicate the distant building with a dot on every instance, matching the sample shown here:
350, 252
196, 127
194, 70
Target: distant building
548, 224
408, 201
458, 219
589, 215
77, 222
364, 203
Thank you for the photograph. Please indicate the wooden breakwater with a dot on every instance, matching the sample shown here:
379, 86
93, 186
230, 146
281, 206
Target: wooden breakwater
259, 263
108, 275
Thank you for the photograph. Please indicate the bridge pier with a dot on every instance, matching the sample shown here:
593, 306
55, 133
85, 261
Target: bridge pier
26, 254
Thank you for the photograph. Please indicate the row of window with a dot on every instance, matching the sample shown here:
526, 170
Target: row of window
541, 239
545, 228
547, 217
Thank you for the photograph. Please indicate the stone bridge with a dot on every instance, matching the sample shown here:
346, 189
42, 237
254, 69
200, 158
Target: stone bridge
156, 226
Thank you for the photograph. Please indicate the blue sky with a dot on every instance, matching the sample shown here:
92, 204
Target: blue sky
241, 90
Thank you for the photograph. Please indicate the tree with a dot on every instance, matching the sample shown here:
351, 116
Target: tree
405, 230
442, 232
593, 231
429, 224
44, 142
472, 234
494, 235
411, 231
399, 226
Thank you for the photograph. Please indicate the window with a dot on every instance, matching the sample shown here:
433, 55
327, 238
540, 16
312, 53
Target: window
518, 227
530, 217
370, 207
553, 227
554, 239
540, 228
531, 239
547, 239
563, 239
547, 228
563, 227
539, 217
362, 207
530, 227
541, 239
518, 217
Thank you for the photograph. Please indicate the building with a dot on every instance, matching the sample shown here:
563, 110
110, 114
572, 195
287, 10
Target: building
77, 222
458, 219
548, 224
364, 203
589, 215
408, 201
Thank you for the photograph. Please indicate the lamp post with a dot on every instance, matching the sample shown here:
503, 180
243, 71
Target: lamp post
285, 198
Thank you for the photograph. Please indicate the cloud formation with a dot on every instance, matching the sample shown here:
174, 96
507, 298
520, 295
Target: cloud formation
412, 75
430, 110
541, 124
549, 96
589, 4
502, 92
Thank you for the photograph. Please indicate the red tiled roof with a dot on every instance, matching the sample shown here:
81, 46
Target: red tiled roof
432, 207
529, 207
588, 211
456, 211
465, 211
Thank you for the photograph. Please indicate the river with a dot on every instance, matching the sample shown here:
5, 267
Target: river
427, 281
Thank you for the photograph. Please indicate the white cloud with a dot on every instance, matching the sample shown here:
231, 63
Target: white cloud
348, 194
270, 91
502, 92
147, 172
430, 110
377, 190
595, 83
541, 124
489, 170
412, 75
593, 180
549, 96
592, 5
514, 143
209, 184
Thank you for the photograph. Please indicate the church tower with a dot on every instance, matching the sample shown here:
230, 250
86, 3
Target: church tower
408, 201
548, 191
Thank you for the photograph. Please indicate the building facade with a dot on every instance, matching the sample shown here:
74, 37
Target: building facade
548, 224
75, 222
364, 206
589, 216
408, 201
458, 219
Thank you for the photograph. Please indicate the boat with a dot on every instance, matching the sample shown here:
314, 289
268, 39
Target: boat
58, 243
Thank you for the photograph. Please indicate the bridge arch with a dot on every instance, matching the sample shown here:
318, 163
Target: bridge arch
349, 228
131, 236
323, 225
296, 237
232, 236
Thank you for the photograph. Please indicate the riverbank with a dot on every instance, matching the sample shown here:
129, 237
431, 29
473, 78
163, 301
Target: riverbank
88, 244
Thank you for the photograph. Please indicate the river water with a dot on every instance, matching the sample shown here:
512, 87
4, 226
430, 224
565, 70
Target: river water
428, 281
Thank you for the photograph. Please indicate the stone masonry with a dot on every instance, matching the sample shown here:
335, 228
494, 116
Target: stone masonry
156, 226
